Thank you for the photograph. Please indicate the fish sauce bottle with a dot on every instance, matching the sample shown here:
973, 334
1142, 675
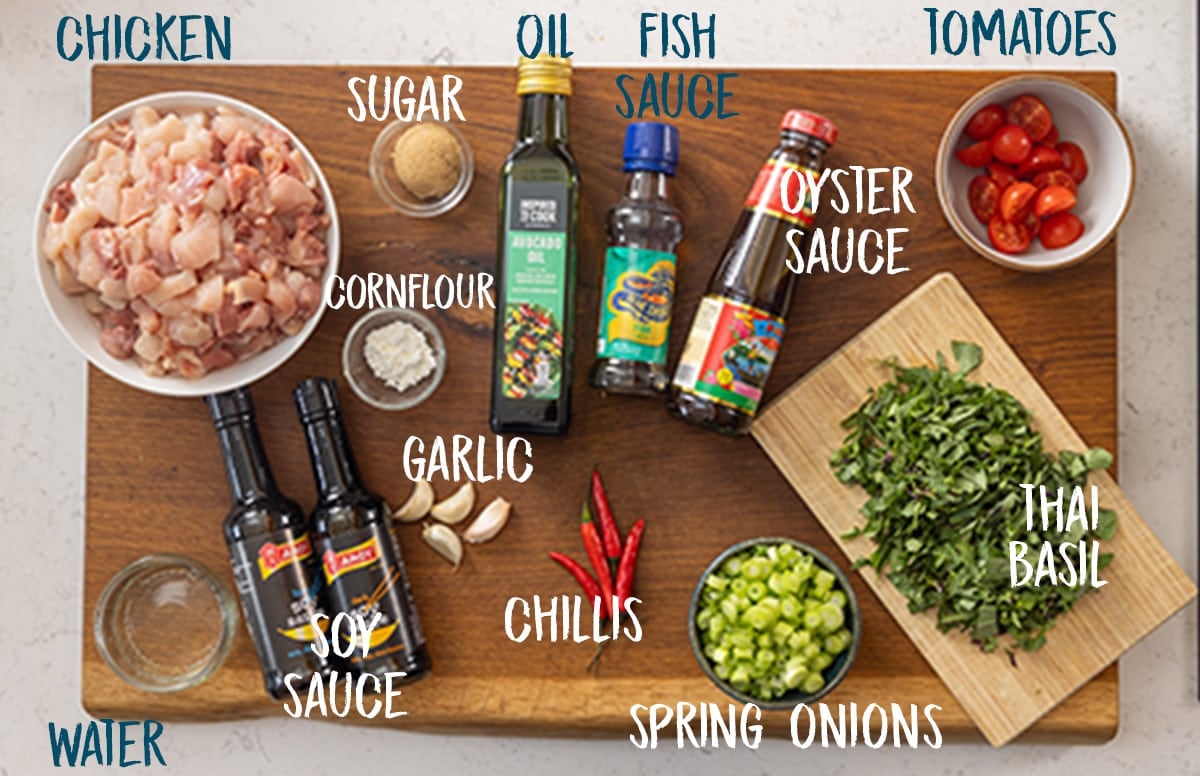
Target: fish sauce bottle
738, 327
360, 559
638, 290
274, 565
535, 279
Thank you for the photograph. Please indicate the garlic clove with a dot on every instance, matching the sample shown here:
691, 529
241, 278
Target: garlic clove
444, 542
489, 522
457, 507
418, 504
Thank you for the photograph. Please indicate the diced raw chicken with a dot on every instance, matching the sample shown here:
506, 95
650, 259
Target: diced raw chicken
282, 298
197, 239
116, 333
210, 294
170, 287
142, 279
246, 288
136, 202
289, 195
148, 346
242, 149
163, 226
166, 131
189, 330
198, 243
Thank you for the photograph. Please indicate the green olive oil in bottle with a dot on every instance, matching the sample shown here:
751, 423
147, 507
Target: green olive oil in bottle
535, 279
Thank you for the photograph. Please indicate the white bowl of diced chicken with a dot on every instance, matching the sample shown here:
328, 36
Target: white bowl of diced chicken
182, 243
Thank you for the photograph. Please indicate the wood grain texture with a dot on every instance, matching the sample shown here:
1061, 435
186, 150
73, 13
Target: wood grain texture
154, 477
800, 432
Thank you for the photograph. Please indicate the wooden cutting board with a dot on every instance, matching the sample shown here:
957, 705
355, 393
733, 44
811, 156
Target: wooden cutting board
800, 431
154, 476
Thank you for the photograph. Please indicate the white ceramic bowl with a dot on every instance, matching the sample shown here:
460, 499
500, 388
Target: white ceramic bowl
1082, 118
82, 328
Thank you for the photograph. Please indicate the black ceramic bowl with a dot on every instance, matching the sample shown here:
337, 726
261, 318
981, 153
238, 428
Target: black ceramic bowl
833, 674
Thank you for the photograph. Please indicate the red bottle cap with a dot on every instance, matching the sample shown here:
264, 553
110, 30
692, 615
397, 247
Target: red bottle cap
810, 124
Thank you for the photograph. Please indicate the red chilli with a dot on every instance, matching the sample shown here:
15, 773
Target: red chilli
584, 579
608, 526
591, 543
628, 563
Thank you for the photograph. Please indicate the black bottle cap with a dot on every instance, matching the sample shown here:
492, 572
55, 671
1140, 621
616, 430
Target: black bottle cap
316, 398
229, 407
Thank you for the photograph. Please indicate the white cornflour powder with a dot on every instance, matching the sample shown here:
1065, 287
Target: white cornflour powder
399, 354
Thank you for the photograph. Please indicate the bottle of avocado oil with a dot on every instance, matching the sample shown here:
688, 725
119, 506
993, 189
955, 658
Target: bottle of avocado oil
535, 310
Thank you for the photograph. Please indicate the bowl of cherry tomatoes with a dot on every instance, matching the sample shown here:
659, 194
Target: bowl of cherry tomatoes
1035, 173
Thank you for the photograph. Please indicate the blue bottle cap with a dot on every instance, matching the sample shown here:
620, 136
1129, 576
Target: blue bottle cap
651, 145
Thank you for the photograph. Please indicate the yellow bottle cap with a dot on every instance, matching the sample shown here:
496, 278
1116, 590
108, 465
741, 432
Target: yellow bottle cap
544, 75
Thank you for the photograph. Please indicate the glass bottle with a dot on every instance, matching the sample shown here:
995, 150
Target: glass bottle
738, 327
639, 268
274, 567
535, 279
360, 559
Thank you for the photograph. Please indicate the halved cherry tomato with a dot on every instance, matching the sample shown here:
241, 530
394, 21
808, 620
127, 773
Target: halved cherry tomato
1009, 237
1016, 200
1032, 223
1041, 158
1053, 199
1055, 178
983, 194
1051, 137
1011, 144
985, 122
1074, 160
1002, 174
1030, 114
1060, 230
976, 155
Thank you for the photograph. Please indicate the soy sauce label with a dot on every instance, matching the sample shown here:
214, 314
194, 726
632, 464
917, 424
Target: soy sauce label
778, 190
635, 316
729, 353
365, 575
535, 276
279, 586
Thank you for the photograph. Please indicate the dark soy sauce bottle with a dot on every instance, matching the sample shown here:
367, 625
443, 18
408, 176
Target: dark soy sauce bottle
274, 565
360, 559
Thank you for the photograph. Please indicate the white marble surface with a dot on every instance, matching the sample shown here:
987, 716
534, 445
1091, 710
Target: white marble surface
45, 101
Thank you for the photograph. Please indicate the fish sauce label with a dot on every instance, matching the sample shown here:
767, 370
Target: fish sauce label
777, 191
535, 270
279, 584
729, 353
365, 576
635, 313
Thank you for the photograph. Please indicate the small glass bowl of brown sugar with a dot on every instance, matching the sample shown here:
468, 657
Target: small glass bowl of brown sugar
422, 169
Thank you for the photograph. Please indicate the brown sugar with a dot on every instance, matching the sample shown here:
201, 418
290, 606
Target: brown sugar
428, 160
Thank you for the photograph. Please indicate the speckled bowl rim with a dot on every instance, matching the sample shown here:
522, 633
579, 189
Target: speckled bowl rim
948, 140
840, 667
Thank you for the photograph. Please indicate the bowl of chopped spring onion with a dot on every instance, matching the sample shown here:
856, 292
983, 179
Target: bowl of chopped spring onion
774, 622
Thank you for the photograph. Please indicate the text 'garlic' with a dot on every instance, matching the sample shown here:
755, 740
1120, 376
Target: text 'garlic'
444, 542
489, 522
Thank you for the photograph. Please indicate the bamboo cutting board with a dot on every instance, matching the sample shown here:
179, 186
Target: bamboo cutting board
800, 431
155, 481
